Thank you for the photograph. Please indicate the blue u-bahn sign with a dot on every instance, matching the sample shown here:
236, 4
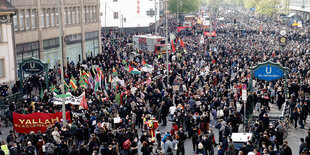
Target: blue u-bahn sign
268, 71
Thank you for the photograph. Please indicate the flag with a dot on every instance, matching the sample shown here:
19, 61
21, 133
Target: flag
72, 84
105, 84
124, 62
66, 87
213, 61
83, 103
114, 71
96, 87
172, 46
53, 89
133, 70
85, 74
82, 82
85, 80
41, 93
172, 36
110, 79
143, 62
118, 98
182, 43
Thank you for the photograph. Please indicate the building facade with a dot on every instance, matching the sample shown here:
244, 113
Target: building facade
36, 26
129, 13
7, 59
301, 7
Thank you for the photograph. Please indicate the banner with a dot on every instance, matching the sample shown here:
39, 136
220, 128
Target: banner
213, 34
72, 99
36, 121
180, 28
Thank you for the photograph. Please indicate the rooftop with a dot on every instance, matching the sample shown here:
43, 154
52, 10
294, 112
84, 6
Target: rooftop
6, 6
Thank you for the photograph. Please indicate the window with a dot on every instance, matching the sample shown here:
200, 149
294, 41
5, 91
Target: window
69, 16
84, 14
115, 15
53, 17
87, 14
47, 17
57, 17
91, 13
73, 15
33, 18
95, 13
42, 18
27, 15
78, 15
1, 68
15, 21
21, 20
65, 14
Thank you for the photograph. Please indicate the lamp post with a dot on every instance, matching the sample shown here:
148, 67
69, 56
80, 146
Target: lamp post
167, 52
61, 65
155, 16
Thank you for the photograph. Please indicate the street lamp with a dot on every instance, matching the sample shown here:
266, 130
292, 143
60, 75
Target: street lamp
167, 52
61, 66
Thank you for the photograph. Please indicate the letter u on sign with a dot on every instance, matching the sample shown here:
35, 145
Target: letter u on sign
270, 70
32, 65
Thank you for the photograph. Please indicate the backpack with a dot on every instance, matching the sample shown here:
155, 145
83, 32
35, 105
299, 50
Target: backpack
49, 147
127, 144
200, 146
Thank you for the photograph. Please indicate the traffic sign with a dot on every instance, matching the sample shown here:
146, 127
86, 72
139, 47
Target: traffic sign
244, 92
282, 41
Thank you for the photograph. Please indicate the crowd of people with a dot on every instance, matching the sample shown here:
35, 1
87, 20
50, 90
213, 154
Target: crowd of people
201, 96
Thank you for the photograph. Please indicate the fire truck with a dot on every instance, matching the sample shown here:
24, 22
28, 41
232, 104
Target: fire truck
150, 43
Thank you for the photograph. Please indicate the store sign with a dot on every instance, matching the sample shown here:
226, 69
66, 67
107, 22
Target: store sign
33, 66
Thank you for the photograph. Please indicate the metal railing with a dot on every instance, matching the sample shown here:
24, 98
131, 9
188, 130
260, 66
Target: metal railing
5, 101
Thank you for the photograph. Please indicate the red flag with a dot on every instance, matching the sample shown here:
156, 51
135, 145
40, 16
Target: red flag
172, 46
213, 61
83, 103
130, 68
182, 43
180, 28
143, 62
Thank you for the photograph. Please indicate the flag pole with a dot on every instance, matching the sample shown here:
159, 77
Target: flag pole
61, 66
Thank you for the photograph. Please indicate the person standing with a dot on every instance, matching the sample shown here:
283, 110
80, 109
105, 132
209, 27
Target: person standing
302, 146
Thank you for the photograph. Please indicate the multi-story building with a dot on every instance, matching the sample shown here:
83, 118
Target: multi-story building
129, 13
7, 56
36, 26
301, 7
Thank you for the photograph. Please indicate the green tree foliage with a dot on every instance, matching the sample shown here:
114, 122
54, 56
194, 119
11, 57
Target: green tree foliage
185, 6
251, 3
267, 7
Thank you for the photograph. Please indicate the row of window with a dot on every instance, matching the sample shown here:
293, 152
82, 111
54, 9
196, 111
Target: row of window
26, 19
2, 68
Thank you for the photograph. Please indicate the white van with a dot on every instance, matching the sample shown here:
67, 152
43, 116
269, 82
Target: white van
240, 138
